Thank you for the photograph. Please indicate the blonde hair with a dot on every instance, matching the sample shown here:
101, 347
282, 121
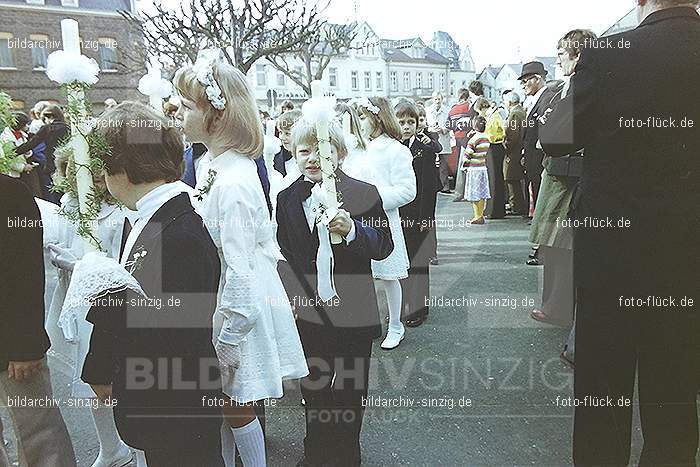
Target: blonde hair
305, 133
341, 109
240, 127
386, 119
287, 120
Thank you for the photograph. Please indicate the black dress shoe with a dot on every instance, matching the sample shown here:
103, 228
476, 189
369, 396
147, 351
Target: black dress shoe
415, 322
533, 262
434, 261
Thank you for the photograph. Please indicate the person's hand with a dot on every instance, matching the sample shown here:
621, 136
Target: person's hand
23, 371
29, 167
229, 356
341, 223
425, 139
62, 258
103, 392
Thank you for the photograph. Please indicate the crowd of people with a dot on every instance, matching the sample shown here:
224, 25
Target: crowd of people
225, 270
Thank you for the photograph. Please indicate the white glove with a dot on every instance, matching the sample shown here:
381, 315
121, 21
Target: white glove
229, 356
62, 258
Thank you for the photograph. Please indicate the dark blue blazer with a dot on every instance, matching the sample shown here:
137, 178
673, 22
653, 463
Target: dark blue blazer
146, 350
355, 313
279, 160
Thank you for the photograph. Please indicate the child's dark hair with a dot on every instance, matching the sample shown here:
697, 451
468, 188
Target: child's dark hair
480, 124
406, 109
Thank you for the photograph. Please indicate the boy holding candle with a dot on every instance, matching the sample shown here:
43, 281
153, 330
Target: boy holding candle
332, 289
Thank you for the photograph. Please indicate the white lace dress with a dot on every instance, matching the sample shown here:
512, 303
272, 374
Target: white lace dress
74, 329
253, 309
392, 167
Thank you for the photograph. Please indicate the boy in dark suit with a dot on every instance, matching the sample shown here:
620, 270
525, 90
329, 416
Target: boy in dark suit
418, 217
155, 356
337, 331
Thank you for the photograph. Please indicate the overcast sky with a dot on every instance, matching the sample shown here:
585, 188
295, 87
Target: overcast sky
497, 31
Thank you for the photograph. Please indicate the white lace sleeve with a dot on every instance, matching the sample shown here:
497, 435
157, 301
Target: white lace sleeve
237, 230
93, 277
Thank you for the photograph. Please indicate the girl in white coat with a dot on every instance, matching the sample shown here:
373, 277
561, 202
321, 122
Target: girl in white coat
255, 335
392, 166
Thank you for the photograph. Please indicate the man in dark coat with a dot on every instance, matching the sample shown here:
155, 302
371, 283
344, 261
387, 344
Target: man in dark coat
43, 437
636, 248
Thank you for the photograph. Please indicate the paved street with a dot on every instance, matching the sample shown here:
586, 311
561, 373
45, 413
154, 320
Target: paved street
482, 377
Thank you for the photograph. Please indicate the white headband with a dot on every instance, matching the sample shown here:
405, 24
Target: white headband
204, 70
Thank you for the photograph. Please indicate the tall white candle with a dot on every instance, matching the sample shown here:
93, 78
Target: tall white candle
324, 152
270, 127
70, 35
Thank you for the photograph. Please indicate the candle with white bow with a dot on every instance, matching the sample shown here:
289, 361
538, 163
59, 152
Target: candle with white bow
324, 153
155, 87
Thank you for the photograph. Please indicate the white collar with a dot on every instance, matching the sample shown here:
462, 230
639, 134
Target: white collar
157, 197
223, 159
537, 96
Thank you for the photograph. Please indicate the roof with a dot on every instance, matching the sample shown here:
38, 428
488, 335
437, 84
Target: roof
106, 5
395, 51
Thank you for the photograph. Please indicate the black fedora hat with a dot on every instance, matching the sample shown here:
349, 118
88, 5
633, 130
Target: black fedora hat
533, 68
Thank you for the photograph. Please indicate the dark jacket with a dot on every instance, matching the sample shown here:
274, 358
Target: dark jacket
51, 135
356, 314
279, 160
513, 143
422, 208
22, 334
646, 176
534, 156
151, 351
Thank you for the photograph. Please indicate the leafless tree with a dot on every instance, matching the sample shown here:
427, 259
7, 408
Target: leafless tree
246, 30
315, 53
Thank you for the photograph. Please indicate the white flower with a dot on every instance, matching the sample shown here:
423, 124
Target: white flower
69, 67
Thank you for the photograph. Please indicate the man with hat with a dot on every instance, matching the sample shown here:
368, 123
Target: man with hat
532, 79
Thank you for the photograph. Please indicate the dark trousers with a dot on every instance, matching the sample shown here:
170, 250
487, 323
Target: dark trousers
416, 287
334, 393
516, 197
444, 172
610, 345
203, 452
533, 177
496, 206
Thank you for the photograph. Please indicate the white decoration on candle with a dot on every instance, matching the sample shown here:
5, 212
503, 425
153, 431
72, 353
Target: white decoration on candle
155, 87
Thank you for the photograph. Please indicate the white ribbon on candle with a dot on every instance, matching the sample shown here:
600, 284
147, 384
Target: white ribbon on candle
325, 263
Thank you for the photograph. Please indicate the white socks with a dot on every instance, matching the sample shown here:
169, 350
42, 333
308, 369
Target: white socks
228, 445
393, 298
113, 451
251, 444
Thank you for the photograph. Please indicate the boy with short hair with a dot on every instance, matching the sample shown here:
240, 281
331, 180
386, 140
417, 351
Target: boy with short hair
336, 328
156, 356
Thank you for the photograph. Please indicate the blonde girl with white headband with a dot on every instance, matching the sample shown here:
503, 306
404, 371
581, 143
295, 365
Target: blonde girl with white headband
255, 335
392, 165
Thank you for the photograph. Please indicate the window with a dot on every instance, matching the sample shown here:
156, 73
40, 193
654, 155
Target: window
394, 81
108, 54
281, 79
6, 59
354, 81
406, 81
419, 80
260, 75
380, 81
69, 3
442, 81
368, 80
35, 2
333, 77
431, 80
39, 52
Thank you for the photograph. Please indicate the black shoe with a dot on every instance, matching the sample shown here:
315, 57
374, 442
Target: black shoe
415, 322
434, 261
495, 217
533, 262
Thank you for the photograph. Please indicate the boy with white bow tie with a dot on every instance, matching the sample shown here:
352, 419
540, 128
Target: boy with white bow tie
332, 290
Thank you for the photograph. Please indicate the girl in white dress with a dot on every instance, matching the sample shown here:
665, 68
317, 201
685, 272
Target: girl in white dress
392, 165
73, 342
356, 163
255, 335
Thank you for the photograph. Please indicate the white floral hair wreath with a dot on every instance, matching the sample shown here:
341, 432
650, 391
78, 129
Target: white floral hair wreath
204, 70
366, 103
